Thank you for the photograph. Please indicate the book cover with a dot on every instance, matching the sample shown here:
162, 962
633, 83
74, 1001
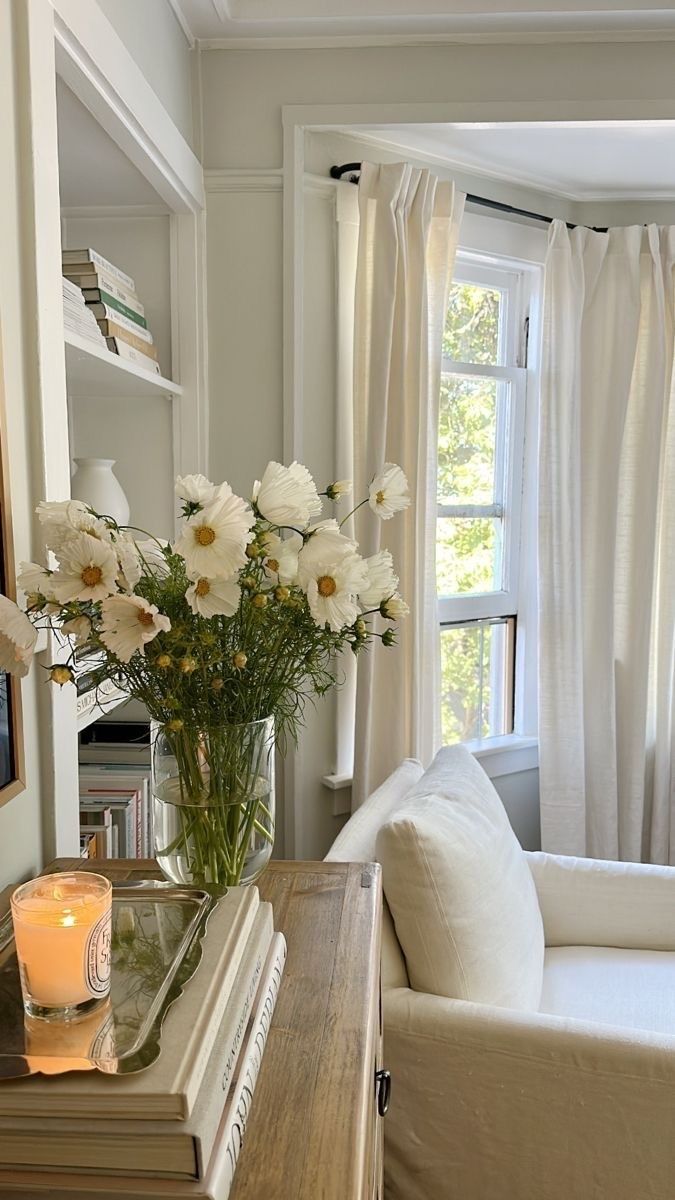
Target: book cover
99, 280
124, 350
179, 1149
112, 329
92, 260
106, 315
97, 296
169, 1088
220, 1171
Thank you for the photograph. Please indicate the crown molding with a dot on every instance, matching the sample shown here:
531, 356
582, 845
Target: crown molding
478, 38
180, 16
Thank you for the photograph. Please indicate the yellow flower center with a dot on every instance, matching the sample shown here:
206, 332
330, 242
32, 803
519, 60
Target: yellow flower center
145, 618
202, 587
326, 585
379, 497
91, 576
205, 535
273, 564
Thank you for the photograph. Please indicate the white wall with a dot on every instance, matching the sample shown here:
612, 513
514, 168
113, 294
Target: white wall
153, 37
242, 97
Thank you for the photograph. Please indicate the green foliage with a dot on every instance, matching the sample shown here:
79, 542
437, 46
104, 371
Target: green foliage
467, 548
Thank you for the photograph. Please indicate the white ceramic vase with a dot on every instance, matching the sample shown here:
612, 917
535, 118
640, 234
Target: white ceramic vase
94, 484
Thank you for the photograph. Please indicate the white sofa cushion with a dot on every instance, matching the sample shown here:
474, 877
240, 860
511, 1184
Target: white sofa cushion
460, 891
631, 988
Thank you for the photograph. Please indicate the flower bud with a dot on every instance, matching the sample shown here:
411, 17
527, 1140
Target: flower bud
281, 594
248, 582
389, 638
217, 684
175, 725
395, 608
61, 674
253, 550
163, 661
342, 487
188, 665
239, 660
360, 626
260, 600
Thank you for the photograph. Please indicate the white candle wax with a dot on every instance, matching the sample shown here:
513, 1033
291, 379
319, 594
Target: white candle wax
62, 931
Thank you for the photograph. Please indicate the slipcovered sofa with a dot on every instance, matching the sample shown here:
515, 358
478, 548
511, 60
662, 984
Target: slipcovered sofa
528, 999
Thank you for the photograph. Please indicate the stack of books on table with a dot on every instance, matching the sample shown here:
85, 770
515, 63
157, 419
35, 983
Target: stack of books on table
110, 297
77, 317
176, 1128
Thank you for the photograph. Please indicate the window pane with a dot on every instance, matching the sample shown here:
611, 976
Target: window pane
472, 324
474, 685
468, 555
467, 436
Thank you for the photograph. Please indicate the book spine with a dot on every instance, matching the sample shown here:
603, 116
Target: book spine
111, 329
103, 312
125, 350
98, 282
129, 313
92, 256
238, 1106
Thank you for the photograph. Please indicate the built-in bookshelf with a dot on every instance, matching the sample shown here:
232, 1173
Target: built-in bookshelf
147, 223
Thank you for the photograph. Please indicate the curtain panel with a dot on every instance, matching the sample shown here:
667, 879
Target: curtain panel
407, 239
606, 544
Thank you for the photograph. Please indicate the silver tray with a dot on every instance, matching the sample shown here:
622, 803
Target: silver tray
157, 931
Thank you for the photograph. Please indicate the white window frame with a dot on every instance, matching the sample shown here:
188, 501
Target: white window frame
513, 284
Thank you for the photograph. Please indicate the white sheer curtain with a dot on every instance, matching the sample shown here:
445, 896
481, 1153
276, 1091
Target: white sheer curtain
607, 545
408, 230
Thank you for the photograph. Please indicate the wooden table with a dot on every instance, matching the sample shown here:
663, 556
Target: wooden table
314, 1132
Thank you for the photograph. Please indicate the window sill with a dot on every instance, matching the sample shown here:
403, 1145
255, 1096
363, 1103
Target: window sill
505, 755
497, 756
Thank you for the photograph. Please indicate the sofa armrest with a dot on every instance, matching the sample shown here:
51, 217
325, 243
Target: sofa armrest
493, 1102
590, 902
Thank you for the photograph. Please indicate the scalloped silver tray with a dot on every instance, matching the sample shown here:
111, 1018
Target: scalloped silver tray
157, 931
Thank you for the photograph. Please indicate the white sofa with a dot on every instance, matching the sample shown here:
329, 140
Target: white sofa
573, 1099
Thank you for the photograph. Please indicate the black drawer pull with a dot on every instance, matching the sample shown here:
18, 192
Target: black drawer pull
383, 1089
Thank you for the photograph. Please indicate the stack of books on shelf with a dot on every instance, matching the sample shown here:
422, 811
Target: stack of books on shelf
115, 800
111, 299
77, 317
176, 1128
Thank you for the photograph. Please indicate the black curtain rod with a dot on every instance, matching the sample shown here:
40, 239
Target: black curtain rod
349, 172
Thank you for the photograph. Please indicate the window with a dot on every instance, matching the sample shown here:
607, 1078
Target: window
480, 473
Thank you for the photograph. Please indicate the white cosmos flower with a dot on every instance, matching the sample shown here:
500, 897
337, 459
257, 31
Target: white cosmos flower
88, 570
64, 519
287, 495
381, 583
395, 608
197, 489
78, 628
130, 566
128, 623
388, 493
214, 597
342, 487
281, 557
213, 541
325, 543
332, 590
17, 639
35, 580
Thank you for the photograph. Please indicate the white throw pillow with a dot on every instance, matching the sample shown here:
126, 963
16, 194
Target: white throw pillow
460, 890
356, 841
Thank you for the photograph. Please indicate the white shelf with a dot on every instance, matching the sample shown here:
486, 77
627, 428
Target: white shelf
93, 371
97, 702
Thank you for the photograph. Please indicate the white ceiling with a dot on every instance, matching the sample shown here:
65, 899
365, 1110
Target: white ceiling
231, 19
615, 160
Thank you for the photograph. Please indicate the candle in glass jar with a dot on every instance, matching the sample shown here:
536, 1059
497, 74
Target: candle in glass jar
62, 929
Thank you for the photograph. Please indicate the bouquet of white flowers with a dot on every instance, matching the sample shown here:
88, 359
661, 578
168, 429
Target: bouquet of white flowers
223, 636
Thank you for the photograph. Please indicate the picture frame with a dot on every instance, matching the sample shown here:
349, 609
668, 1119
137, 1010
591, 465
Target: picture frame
12, 758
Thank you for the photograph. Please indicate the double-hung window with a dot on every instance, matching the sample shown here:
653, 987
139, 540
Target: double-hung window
480, 474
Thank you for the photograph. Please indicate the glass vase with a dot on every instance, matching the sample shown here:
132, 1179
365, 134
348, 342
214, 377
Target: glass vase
213, 804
